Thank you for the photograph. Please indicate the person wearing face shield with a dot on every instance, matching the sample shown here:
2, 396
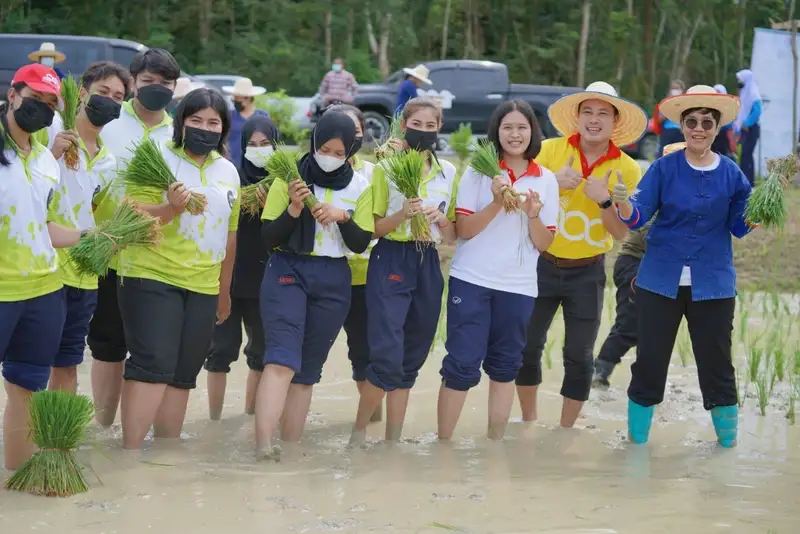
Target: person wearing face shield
747, 124
699, 200
259, 137
305, 293
153, 72
244, 95
48, 56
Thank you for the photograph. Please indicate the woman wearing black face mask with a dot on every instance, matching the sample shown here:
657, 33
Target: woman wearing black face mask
244, 94
74, 203
171, 294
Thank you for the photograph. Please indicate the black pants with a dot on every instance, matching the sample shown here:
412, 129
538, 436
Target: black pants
355, 326
106, 337
710, 328
623, 334
749, 140
168, 330
579, 291
227, 340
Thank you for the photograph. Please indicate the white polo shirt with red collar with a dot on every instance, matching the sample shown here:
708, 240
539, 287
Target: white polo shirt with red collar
502, 256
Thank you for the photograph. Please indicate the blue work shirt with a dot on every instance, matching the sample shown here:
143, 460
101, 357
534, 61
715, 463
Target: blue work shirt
698, 211
407, 91
235, 135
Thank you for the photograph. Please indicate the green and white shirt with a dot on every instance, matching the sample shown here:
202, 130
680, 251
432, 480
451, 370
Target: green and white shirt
438, 189
359, 262
74, 201
28, 263
190, 254
356, 199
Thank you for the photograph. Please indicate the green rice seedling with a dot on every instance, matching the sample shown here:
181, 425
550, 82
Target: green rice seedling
779, 363
385, 150
754, 363
405, 171
744, 318
684, 345
252, 195
282, 165
461, 141
58, 422
148, 168
794, 386
775, 299
548, 353
486, 161
767, 202
70, 94
610, 306
763, 390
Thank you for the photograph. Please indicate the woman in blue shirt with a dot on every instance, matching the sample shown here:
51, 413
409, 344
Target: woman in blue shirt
670, 132
688, 270
408, 87
747, 121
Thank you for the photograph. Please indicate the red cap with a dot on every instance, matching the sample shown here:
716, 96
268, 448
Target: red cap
40, 78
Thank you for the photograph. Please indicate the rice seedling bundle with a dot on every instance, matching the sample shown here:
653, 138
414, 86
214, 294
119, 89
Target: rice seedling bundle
461, 141
405, 171
767, 202
129, 225
486, 161
70, 95
251, 204
58, 422
395, 132
282, 165
148, 168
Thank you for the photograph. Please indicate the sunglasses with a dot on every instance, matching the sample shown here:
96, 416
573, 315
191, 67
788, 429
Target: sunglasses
707, 124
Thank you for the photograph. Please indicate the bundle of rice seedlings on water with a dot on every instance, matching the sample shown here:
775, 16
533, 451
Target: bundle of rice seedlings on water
395, 132
405, 171
486, 161
767, 203
69, 94
251, 204
128, 226
148, 168
460, 142
58, 422
282, 165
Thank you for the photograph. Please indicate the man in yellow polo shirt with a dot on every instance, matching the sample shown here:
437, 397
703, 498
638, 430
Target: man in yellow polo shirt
588, 162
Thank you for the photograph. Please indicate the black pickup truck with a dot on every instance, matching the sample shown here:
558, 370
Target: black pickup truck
469, 91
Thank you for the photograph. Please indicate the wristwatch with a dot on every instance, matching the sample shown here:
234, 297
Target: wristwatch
605, 205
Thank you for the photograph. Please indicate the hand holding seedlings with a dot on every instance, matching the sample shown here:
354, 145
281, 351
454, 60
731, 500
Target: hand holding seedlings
434, 215
411, 206
178, 197
533, 204
567, 177
499, 186
298, 193
63, 141
328, 214
398, 145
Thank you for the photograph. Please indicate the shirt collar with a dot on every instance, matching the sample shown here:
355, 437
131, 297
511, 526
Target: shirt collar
181, 153
128, 108
533, 170
613, 153
358, 163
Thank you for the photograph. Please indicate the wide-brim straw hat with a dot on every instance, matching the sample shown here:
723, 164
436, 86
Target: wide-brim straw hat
420, 72
674, 147
47, 50
184, 86
701, 96
630, 125
244, 87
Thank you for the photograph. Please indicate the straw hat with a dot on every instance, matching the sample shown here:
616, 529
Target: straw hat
244, 87
420, 72
630, 125
674, 147
184, 86
701, 96
47, 50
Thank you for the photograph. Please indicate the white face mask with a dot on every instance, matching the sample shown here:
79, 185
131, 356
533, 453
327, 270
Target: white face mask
676, 92
328, 163
48, 61
258, 155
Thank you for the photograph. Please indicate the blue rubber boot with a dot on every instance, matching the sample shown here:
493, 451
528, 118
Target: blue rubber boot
639, 419
726, 422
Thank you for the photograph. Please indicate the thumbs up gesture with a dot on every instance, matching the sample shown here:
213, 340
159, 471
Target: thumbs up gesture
567, 177
597, 188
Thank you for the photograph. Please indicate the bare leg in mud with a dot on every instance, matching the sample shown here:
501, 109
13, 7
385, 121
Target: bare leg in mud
396, 406
17, 446
501, 398
370, 399
253, 379
140, 405
449, 407
377, 416
527, 402
570, 411
171, 414
106, 390
270, 402
216, 384
295, 412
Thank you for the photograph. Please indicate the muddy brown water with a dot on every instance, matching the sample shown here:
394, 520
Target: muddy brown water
541, 479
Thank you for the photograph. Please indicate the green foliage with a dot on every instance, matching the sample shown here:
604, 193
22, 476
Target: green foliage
460, 142
281, 109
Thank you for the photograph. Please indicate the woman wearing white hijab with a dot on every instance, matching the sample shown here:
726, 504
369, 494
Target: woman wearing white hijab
725, 143
747, 122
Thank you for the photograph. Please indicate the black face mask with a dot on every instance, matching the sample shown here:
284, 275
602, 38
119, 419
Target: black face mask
154, 97
419, 140
100, 110
357, 144
33, 115
200, 142
238, 106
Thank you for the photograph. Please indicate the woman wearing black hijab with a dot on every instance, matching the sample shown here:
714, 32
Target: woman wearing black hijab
305, 294
259, 135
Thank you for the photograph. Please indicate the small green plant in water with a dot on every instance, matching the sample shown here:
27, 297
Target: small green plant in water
548, 350
684, 345
754, 363
763, 390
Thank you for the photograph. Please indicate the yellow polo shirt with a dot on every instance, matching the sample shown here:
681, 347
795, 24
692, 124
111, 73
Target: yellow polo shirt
581, 233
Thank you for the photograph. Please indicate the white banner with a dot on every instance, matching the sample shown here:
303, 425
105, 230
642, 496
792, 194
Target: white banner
772, 66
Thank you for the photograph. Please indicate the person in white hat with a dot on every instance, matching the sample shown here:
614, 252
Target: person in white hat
408, 87
699, 199
588, 161
183, 86
244, 95
49, 56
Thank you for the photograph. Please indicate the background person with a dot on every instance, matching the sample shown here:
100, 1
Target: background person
747, 125
409, 86
338, 85
244, 95
725, 142
183, 86
669, 132
48, 55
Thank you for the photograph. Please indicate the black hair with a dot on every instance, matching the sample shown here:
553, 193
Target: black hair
158, 61
102, 70
347, 109
4, 109
705, 111
523, 107
616, 111
195, 101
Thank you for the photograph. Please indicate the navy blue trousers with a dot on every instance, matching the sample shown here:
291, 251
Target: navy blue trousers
80, 305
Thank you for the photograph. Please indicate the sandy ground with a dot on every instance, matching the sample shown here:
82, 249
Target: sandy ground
541, 479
